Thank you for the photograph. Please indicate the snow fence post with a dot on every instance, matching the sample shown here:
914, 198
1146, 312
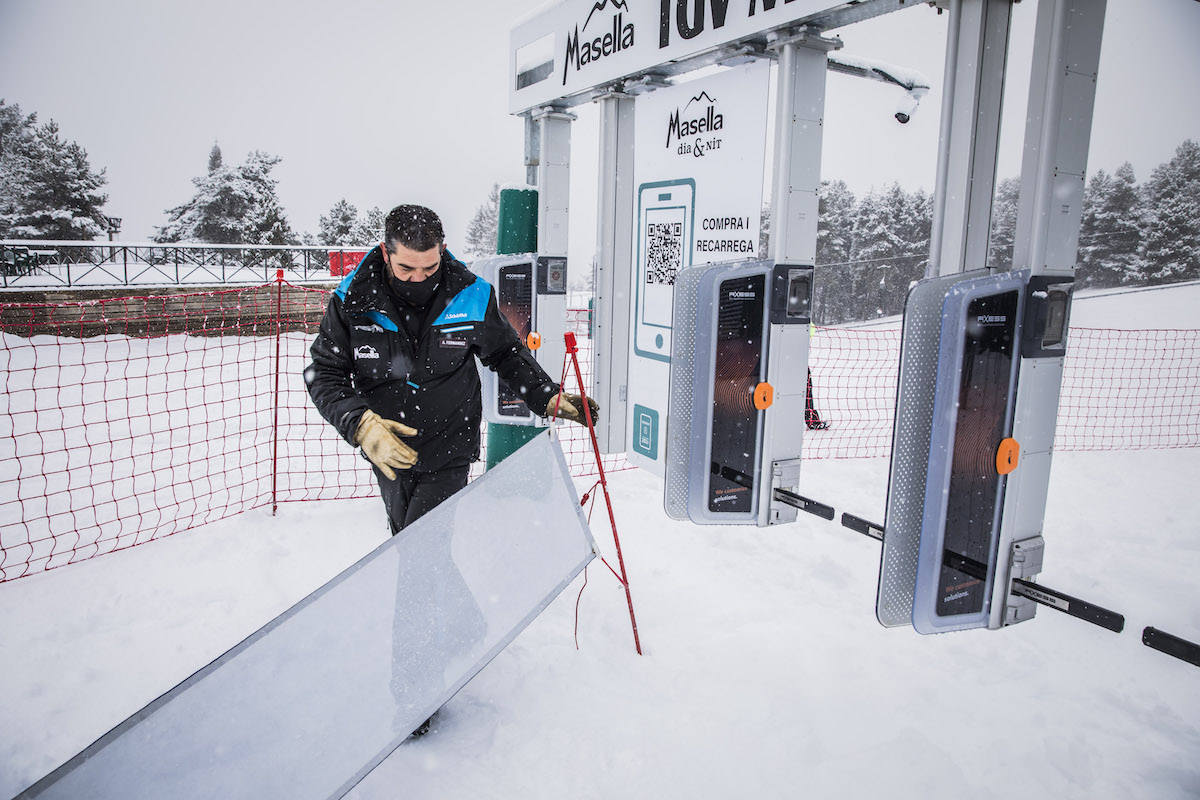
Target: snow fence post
275, 423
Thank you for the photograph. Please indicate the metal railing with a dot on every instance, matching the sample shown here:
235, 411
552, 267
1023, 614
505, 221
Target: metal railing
36, 264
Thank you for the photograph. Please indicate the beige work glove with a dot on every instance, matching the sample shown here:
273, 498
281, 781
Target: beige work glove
570, 406
379, 440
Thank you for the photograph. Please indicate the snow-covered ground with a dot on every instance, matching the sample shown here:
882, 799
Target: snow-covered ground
765, 673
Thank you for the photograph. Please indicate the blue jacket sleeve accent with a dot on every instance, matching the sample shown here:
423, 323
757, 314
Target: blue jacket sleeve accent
469, 305
381, 319
340, 291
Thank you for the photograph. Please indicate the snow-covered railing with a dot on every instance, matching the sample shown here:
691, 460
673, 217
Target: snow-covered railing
29, 263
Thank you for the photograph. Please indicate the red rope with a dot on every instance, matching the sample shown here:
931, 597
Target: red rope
577, 599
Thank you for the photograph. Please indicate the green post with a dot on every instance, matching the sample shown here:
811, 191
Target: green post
516, 232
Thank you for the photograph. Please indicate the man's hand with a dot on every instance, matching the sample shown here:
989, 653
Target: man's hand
379, 440
570, 406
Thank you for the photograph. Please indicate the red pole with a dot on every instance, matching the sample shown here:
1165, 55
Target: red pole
275, 425
572, 350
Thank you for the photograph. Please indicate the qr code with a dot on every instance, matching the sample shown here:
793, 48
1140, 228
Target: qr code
664, 252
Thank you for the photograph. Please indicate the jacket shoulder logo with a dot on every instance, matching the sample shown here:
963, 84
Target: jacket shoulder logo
365, 351
369, 328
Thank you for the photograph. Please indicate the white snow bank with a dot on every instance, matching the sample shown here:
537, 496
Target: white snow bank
765, 673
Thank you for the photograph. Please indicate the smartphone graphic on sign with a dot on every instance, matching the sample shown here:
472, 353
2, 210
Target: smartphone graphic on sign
665, 216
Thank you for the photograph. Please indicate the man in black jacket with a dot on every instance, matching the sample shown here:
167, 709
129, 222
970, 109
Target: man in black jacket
393, 365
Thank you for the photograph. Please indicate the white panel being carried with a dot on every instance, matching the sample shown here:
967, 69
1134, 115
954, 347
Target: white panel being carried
312, 702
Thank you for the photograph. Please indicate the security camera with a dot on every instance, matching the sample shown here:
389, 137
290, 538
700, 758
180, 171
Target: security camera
908, 104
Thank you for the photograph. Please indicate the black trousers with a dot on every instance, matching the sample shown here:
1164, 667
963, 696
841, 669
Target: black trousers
414, 494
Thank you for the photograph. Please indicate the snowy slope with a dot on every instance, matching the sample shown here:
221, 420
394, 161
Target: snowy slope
765, 673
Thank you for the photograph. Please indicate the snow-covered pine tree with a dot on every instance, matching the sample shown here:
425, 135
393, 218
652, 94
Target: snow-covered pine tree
833, 284
215, 161
368, 231
836, 206
1171, 244
266, 221
481, 231
339, 228
1004, 224
232, 205
914, 224
1110, 233
876, 247
50, 189
17, 132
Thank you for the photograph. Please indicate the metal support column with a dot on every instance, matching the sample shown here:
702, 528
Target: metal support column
1062, 94
614, 267
554, 195
1058, 130
973, 94
799, 128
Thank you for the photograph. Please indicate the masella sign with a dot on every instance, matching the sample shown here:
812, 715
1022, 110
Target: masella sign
576, 45
699, 149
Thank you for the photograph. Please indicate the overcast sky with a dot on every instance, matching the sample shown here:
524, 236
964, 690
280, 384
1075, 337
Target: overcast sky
384, 103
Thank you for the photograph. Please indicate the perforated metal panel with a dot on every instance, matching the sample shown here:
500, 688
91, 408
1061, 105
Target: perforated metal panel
959, 356
978, 356
699, 351
679, 407
513, 278
910, 447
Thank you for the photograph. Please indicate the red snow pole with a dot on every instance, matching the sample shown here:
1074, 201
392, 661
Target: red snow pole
572, 352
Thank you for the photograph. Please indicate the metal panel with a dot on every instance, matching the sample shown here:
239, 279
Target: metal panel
1062, 93
313, 701
799, 131
614, 269
910, 448
974, 395
685, 317
976, 53
512, 278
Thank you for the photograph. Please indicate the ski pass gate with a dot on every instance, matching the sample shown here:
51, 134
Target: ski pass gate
531, 291
982, 351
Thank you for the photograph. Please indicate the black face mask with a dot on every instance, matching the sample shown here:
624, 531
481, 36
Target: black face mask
415, 293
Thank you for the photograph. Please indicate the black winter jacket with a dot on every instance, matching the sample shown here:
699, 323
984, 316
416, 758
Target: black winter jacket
362, 358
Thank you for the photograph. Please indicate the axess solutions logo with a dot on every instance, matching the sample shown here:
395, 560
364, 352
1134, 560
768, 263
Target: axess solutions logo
615, 38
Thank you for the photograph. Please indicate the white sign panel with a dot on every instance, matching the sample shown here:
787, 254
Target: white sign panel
699, 150
580, 44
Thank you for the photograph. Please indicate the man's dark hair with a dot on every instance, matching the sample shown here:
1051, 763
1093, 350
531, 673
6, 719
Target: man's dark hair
415, 227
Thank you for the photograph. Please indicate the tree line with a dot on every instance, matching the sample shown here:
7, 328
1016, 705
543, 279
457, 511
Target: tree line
49, 191
870, 248
239, 205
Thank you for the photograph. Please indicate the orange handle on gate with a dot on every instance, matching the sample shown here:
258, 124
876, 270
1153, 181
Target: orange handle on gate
534, 340
1007, 456
764, 395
